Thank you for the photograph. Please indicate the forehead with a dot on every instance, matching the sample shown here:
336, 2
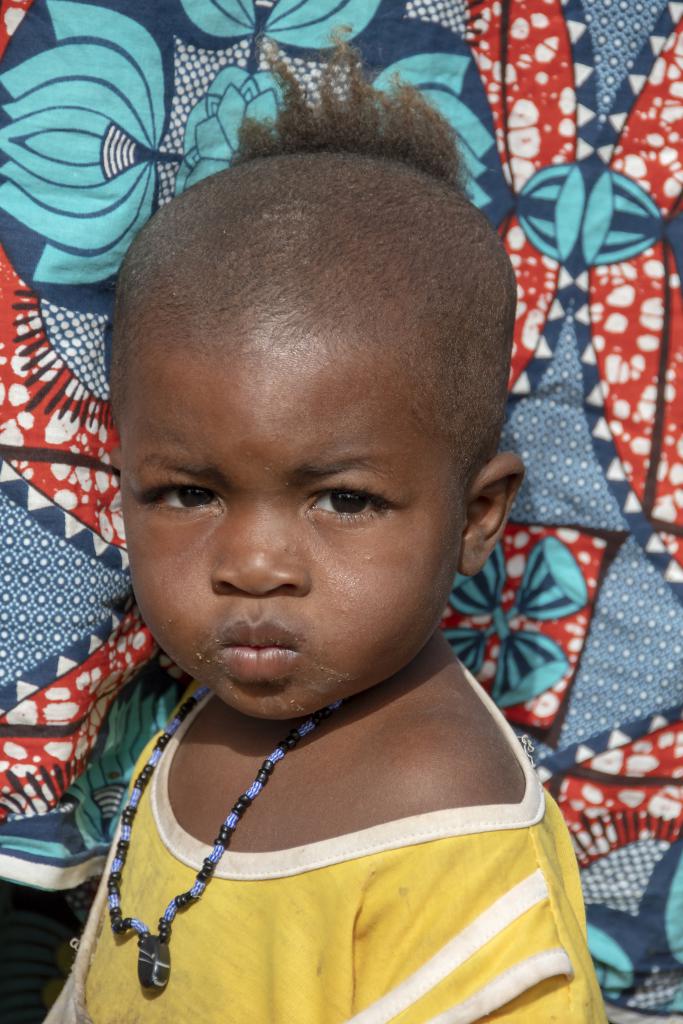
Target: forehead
271, 370
272, 401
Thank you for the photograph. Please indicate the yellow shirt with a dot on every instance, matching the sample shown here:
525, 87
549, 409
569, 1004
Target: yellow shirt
444, 917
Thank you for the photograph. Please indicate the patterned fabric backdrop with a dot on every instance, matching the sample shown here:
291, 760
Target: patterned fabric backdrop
571, 117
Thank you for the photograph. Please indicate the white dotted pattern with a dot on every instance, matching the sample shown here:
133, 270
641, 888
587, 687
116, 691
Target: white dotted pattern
194, 71
632, 662
451, 14
564, 482
79, 340
620, 880
51, 595
618, 30
657, 991
306, 72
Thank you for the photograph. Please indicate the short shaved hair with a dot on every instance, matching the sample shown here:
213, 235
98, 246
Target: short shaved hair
346, 213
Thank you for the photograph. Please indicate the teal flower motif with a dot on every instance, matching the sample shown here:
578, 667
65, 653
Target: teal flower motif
529, 662
212, 127
311, 23
613, 965
448, 81
673, 919
85, 119
84, 822
226, 18
302, 23
99, 792
585, 217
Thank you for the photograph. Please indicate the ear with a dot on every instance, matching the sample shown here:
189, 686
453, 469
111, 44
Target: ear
488, 506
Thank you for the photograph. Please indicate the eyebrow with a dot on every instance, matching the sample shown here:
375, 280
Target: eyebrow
306, 471
310, 471
170, 462
179, 465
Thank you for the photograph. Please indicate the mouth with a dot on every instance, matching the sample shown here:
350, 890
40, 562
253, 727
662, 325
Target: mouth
257, 664
257, 653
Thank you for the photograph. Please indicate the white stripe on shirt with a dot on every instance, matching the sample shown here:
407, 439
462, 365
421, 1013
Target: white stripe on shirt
495, 919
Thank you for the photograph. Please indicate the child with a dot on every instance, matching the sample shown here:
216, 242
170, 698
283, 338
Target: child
309, 376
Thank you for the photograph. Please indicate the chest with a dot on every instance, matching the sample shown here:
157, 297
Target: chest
310, 795
233, 954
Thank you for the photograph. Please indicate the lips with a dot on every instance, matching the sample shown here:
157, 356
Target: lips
264, 633
257, 664
257, 652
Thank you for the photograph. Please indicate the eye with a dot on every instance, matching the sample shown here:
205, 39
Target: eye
186, 497
347, 503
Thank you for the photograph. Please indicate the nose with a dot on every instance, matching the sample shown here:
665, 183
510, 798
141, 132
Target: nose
258, 557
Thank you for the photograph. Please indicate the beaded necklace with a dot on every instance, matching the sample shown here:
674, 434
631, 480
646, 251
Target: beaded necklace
154, 958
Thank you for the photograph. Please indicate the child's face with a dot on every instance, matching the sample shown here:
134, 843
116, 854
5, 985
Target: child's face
293, 529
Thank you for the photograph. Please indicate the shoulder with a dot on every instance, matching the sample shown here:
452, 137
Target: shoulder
496, 928
455, 754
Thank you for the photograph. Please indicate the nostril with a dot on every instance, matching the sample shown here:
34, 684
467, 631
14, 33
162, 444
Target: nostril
258, 589
261, 573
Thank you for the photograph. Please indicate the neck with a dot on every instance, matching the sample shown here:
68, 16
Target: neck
421, 682
428, 668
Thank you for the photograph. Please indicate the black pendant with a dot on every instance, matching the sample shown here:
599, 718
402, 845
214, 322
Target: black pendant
154, 962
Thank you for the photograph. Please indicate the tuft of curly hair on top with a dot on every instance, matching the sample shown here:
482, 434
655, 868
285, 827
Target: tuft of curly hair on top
351, 116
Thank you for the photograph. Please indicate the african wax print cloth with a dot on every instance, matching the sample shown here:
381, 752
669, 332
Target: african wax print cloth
570, 116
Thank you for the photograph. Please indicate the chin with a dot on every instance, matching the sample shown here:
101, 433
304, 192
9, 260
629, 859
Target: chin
271, 699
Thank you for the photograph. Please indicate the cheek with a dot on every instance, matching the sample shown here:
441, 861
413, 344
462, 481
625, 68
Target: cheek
375, 599
390, 598
429, 572
166, 575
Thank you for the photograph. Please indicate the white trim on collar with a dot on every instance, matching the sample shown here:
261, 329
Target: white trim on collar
420, 828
